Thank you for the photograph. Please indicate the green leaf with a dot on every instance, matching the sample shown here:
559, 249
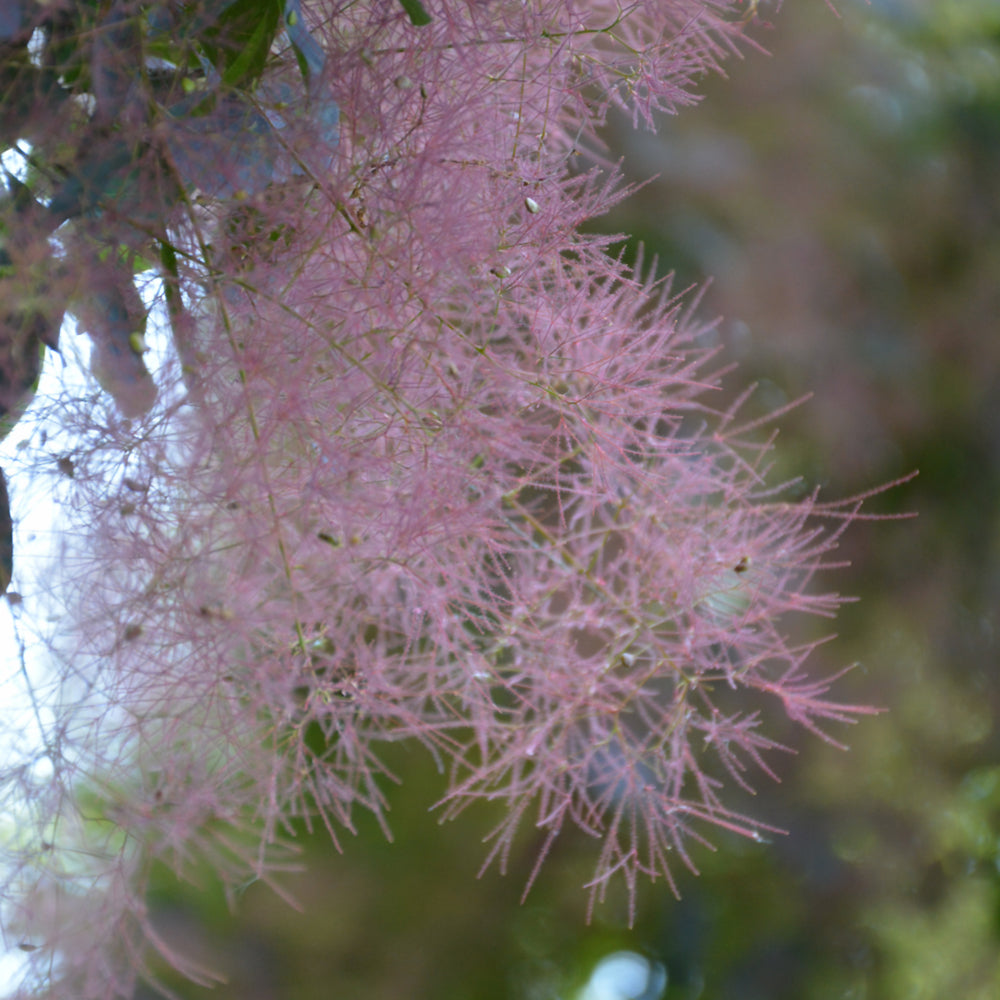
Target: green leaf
415, 11
239, 42
249, 63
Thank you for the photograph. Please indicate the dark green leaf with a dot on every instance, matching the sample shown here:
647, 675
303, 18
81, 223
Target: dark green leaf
416, 12
248, 64
239, 42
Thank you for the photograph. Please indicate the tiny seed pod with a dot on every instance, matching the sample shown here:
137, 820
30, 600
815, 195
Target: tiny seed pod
532, 206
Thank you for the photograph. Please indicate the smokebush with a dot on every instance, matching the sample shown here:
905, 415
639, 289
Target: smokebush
374, 443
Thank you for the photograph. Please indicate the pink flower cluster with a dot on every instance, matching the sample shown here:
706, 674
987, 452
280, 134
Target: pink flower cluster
427, 463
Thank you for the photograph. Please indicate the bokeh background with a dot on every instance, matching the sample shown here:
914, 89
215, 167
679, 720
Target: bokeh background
843, 193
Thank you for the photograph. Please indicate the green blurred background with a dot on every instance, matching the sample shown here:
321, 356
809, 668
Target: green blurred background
843, 192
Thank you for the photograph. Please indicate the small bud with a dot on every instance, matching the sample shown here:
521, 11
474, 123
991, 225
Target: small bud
532, 206
216, 611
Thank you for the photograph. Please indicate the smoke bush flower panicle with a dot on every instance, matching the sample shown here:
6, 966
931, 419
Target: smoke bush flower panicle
426, 462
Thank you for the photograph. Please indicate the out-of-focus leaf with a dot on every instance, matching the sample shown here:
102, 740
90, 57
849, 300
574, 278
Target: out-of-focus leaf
326, 119
20, 366
30, 96
308, 53
6, 537
235, 150
232, 152
13, 19
28, 320
101, 173
120, 372
249, 62
181, 322
116, 50
110, 310
71, 29
31, 308
322, 109
20, 194
415, 12
239, 42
